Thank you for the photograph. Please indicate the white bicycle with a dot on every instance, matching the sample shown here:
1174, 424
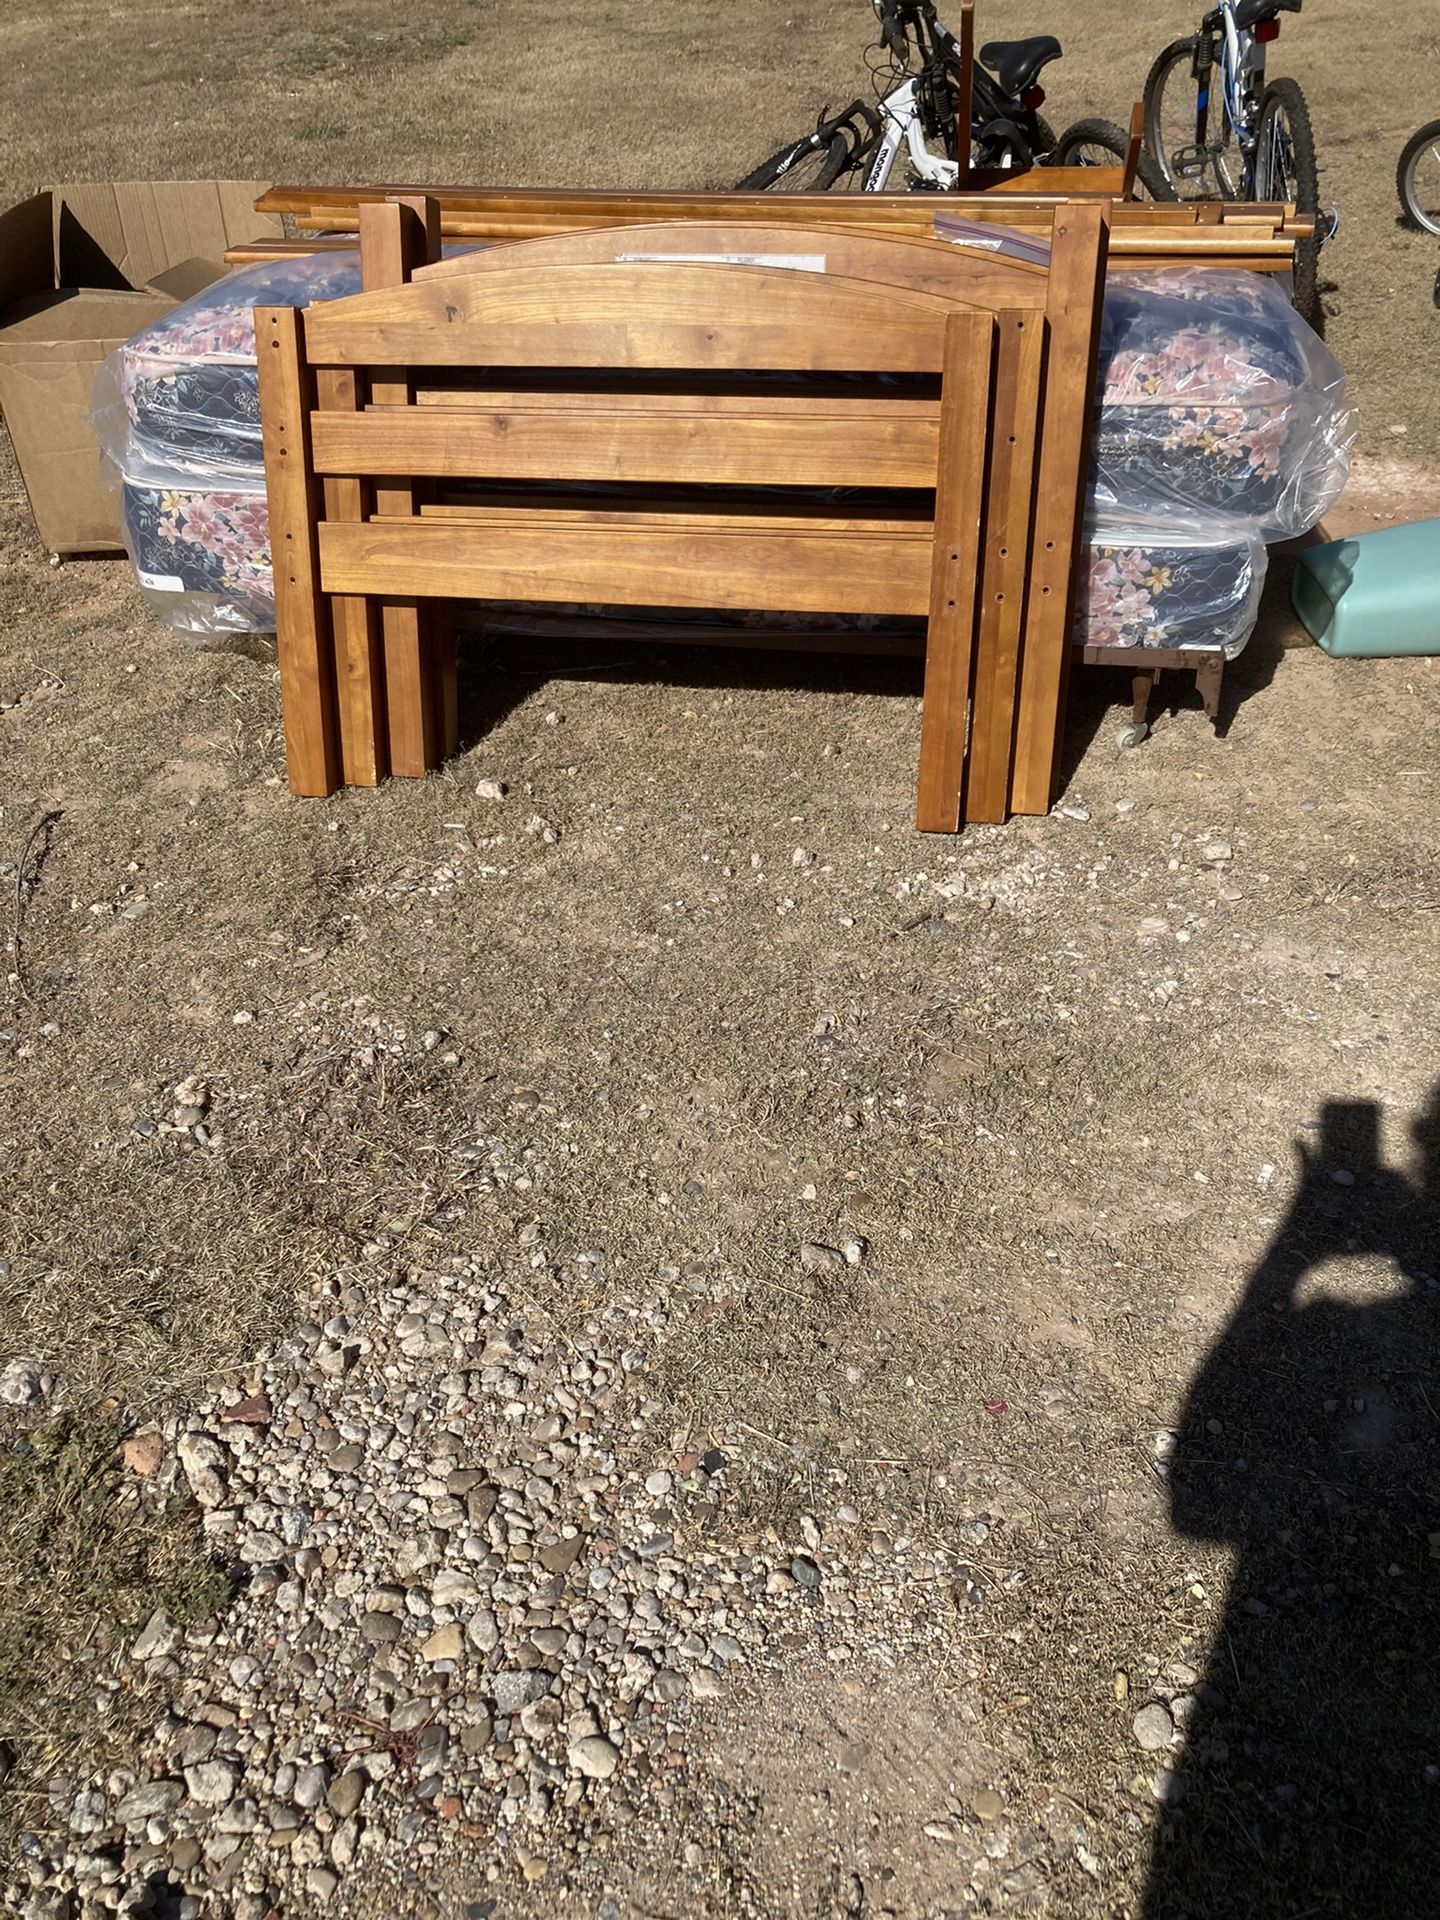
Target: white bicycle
916, 112
1216, 129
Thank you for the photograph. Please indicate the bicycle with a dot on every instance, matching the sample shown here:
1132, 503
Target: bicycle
1417, 178
916, 90
1213, 123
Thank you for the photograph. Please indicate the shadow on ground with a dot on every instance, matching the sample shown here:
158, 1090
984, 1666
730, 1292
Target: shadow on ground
1310, 1444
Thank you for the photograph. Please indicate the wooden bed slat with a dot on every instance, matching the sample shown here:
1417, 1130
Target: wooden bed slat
600, 444
630, 566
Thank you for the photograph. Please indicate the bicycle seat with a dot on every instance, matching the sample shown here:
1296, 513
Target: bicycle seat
1250, 12
1015, 63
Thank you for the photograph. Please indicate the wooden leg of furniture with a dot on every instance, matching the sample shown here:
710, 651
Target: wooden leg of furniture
1208, 678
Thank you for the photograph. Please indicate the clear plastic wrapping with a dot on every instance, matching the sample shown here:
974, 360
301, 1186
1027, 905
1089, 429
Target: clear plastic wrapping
1162, 586
1218, 404
182, 398
1215, 400
201, 555
1221, 421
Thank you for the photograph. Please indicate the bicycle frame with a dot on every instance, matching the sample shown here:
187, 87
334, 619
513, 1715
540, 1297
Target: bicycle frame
900, 118
1242, 82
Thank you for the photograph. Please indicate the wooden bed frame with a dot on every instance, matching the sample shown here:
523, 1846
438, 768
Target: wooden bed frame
406, 427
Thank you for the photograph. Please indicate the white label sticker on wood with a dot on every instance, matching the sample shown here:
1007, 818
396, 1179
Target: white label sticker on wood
796, 262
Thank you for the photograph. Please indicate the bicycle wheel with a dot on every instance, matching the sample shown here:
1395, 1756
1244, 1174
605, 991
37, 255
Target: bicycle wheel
805, 166
1100, 143
1285, 169
1417, 178
1198, 164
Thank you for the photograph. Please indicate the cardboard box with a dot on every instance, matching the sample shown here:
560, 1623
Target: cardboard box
82, 269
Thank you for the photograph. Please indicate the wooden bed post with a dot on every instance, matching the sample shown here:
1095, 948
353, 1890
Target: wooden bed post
396, 237
302, 624
1009, 495
964, 93
1072, 317
965, 386
1132, 151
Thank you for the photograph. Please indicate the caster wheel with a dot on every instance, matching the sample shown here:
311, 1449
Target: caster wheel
1132, 735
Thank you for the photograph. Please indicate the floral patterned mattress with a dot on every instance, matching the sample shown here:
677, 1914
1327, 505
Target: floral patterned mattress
202, 558
1222, 421
1219, 402
1147, 588
1216, 399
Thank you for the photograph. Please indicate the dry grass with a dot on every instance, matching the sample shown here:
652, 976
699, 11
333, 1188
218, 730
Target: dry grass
84, 1561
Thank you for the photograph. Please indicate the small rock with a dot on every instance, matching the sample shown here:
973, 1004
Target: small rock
561, 1555
20, 1383
987, 1805
446, 1643
203, 1462
380, 1629
804, 1571
817, 1258
158, 1638
347, 1792
1153, 1728
212, 1783
705, 1684
595, 1757
1217, 850
251, 1412
142, 1453
1072, 810
152, 1801
490, 789
452, 1589
310, 1787
512, 1688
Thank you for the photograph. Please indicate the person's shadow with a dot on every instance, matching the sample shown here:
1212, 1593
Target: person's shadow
1307, 1761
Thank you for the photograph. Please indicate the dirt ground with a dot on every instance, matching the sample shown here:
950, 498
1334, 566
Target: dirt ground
1062, 1077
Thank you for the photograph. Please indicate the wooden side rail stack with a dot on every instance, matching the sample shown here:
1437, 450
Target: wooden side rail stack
642, 417
1260, 238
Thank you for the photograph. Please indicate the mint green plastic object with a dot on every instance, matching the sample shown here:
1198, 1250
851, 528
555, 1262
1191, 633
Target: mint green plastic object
1375, 596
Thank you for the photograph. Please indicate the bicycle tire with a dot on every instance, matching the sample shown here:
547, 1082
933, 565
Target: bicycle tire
786, 171
1114, 141
1295, 176
1427, 218
1218, 180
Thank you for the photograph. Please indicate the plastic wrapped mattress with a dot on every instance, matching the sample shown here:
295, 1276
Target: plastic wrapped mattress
1217, 403
1169, 588
201, 555
183, 396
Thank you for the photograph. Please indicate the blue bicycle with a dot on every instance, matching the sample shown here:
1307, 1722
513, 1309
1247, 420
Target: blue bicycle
1218, 130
